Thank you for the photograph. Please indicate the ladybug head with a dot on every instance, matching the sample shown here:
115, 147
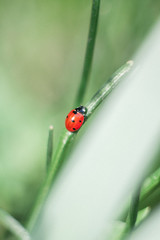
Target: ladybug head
81, 109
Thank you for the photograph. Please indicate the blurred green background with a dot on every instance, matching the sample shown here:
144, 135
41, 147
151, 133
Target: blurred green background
42, 47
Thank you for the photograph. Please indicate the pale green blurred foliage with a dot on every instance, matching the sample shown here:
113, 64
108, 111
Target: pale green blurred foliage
42, 46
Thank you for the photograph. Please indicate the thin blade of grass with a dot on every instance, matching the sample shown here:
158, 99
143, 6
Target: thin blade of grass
133, 211
13, 226
49, 147
107, 88
89, 52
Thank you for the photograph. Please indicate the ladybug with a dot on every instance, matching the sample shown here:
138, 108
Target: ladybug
75, 119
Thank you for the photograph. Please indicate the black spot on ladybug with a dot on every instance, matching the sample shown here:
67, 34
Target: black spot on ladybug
74, 129
75, 112
67, 116
80, 121
73, 121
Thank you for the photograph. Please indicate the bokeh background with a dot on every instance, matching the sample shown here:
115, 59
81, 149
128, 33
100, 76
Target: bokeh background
42, 47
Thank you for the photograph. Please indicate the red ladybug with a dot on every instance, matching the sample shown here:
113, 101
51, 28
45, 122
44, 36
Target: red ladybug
75, 119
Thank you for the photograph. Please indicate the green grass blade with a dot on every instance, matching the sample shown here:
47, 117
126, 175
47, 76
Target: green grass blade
151, 184
131, 217
107, 88
67, 139
148, 187
49, 147
89, 52
13, 226
133, 211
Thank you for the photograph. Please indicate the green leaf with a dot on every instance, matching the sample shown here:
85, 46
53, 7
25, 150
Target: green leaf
49, 147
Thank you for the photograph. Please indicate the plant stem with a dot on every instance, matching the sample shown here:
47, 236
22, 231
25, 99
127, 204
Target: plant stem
64, 143
132, 216
150, 185
68, 138
89, 52
49, 147
107, 88
133, 211
14, 226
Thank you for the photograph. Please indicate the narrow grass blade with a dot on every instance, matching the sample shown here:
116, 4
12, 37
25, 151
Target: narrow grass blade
49, 147
89, 52
142, 215
151, 184
133, 211
13, 226
107, 88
